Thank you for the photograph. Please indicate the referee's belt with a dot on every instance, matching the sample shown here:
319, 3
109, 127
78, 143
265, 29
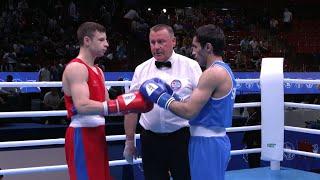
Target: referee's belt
184, 129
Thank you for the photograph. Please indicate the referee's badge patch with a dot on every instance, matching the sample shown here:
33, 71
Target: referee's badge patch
175, 85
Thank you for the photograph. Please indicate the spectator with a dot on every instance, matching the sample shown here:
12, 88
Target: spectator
44, 75
121, 51
12, 100
244, 45
51, 100
72, 10
10, 58
264, 46
10, 91
287, 19
274, 26
163, 18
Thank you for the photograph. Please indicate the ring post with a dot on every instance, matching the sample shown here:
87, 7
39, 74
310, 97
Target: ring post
272, 111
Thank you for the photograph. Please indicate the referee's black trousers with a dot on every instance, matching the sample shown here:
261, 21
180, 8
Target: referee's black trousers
165, 154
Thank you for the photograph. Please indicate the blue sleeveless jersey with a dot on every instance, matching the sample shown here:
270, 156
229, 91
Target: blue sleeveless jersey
217, 112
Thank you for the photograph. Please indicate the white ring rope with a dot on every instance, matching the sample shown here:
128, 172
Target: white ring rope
32, 84
52, 141
44, 142
243, 128
30, 170
243, 81
55, 84
245, 151
64, 112
27, 143
302, 81
301, 105
302, 130
111, 163
303, 153
127, 83
56, 168
251, 104
33, 114
108, 83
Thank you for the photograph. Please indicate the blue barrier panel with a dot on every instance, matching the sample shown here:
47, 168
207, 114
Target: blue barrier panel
289, 88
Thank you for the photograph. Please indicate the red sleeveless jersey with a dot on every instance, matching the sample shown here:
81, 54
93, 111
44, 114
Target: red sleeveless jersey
96, 88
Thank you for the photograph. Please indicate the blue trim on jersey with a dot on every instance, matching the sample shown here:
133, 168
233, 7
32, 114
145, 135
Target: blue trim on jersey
79, 155
217, 112
74, 110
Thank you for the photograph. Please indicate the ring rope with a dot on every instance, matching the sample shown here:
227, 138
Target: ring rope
123, 162
243, 128
52, 141
303, 130
303, 153
301, 105
243, 81
33, 114
55, 84
251, 104
64, 112
44, 142
245, 151
127, 83
302, 81
55, 168
108, 83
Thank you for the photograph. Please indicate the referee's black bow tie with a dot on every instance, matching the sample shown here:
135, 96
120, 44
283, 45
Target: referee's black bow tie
163, 64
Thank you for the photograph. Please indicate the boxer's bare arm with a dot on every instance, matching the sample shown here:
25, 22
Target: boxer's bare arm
75, 82
208, 83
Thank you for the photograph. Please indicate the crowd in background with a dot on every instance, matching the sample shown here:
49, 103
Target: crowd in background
41, 35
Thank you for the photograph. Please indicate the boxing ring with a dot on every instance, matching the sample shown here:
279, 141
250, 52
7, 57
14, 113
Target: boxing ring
274, 171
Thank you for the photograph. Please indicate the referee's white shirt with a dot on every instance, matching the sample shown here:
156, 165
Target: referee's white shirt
183, 77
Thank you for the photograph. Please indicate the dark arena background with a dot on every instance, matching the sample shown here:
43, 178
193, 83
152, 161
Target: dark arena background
38, 38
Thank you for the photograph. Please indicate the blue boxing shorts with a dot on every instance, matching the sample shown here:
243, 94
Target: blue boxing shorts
209, 157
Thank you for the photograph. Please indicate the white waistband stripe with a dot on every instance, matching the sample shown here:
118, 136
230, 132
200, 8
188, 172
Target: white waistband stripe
87, 121
207, 132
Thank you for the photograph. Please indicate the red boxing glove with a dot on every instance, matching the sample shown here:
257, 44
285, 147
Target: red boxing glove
129, 103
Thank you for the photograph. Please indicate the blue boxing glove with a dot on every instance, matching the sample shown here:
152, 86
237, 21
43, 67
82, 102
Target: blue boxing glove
168, 89
157, 93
